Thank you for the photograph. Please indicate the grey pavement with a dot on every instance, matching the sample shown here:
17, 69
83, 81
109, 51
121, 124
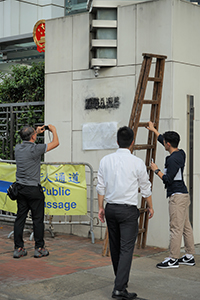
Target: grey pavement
146, 280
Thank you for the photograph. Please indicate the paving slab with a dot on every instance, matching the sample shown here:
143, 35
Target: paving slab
76, 270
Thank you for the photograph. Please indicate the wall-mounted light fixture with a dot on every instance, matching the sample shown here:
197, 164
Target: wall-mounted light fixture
96, 71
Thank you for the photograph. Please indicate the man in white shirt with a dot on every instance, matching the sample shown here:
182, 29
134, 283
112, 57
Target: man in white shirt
120, 176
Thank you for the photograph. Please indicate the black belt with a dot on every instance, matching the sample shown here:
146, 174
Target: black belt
126, 205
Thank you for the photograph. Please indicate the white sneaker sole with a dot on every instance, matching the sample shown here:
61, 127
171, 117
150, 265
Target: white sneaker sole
167, 267
187, 264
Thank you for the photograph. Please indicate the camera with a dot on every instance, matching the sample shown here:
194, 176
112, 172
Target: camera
46, 127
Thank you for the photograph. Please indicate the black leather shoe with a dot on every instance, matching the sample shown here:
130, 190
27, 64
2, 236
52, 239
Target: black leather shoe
123, 295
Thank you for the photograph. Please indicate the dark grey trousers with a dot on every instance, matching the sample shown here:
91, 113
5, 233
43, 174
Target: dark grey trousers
30, 198
122, 222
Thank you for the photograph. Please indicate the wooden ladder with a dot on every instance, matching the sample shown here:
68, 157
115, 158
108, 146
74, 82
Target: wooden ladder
134, 123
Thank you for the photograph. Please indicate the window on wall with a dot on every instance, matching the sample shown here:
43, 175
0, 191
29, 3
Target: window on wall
75, 6
194, 1
106, 33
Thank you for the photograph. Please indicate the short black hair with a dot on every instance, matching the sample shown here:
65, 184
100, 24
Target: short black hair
125, 137
26, 133
172, 137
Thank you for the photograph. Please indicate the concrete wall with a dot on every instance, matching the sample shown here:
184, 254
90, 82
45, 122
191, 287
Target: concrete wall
19, 17
166, 27
186, 77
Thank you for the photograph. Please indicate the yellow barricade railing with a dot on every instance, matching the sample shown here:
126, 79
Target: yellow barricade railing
66, 194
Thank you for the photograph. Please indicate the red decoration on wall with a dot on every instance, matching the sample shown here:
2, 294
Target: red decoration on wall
39, 35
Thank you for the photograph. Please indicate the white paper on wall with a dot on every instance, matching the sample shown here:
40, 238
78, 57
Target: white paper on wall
97, 136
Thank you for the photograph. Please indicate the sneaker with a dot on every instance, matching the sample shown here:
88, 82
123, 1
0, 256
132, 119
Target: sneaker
168, 263
123, 295
39, 252
186, 261
19, 252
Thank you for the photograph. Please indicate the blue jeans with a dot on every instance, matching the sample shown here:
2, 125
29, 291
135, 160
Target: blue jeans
122, 222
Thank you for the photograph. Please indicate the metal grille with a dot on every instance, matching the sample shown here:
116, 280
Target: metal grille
12, 117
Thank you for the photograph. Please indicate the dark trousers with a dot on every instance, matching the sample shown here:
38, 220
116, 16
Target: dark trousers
30, 198
122, 222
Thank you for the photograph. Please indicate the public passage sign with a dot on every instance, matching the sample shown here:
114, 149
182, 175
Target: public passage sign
64, 188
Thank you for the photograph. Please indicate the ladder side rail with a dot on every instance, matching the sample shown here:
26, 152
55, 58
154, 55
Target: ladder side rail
140, 91
155, 110
143, 202
155, 113
141, 223
159, 96
146, 223
141, 98
106, 248
151, 153
137, 93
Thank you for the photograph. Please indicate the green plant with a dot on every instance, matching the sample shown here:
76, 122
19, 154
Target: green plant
24, 84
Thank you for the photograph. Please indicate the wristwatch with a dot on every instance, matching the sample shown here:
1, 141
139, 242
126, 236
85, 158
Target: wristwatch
156, 171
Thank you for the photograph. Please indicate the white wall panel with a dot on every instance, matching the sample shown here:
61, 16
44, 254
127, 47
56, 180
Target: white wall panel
58, 112
56, 155
196, 207
105, 72
28, 17
2, 19
15, 18
7, 18
91, 157
126, 48
121, 87
50, 12
45, 12
51, 2
57, 11
58, 55
81, 41
58, 97
186, 41
154, 28
30, 1
158, 231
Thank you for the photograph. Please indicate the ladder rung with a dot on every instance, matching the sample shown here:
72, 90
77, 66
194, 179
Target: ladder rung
143, 124
141, 230
142, 210
154, 55
150, 102
155, 79
143, 146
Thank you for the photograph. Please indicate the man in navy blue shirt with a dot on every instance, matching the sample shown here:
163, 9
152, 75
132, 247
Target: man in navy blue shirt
179, 200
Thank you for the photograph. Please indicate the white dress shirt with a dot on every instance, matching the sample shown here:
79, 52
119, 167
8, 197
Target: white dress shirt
119, 177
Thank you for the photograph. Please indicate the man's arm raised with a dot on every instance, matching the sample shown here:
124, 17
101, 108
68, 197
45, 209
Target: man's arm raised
152, 128
55, 141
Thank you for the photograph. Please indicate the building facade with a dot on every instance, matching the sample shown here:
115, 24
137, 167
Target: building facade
79, 95
17, 20
92, 63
